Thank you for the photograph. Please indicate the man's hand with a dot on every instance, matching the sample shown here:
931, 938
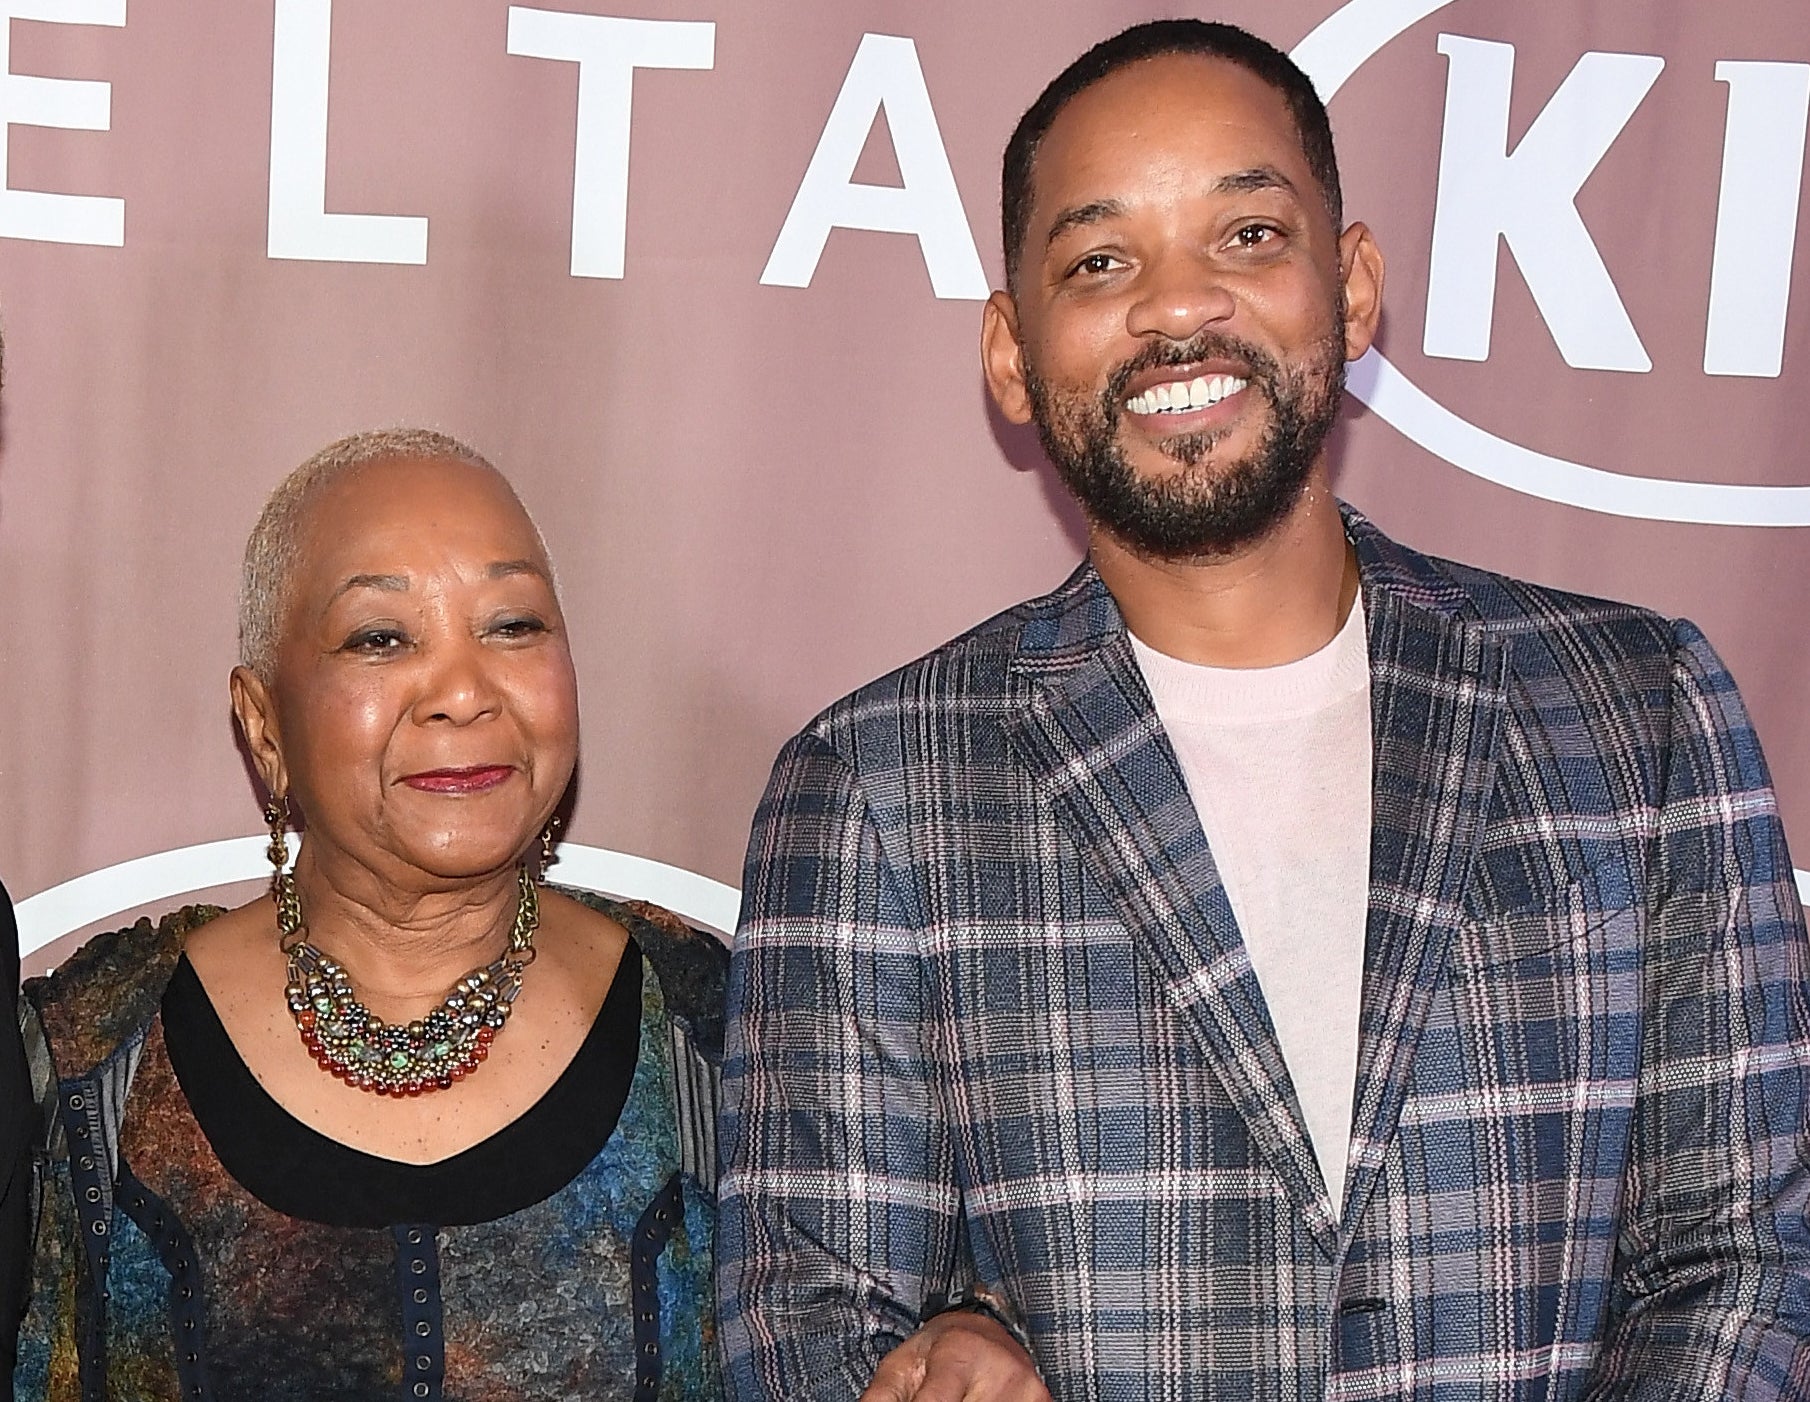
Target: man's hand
958, 1357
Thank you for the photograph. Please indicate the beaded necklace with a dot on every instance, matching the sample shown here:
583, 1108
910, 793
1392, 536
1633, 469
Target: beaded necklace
351, 1042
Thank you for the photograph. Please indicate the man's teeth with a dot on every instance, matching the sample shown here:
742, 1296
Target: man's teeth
1183, 395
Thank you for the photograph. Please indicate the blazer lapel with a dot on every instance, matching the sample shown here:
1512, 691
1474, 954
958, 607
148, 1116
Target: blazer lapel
1437, 689
1087, 731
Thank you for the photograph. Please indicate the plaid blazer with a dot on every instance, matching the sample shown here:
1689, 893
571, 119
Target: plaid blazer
990, 1011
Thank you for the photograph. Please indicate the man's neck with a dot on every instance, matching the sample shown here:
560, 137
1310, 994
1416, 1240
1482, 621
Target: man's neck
1279, 600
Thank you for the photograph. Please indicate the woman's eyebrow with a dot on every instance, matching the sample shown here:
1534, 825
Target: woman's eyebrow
502, 569
391, 583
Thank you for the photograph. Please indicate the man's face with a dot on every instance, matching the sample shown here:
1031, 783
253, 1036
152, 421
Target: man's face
1184, 308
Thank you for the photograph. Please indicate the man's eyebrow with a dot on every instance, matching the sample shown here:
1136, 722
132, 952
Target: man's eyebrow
390, 583
1081, 215
1239, 181
1256, 178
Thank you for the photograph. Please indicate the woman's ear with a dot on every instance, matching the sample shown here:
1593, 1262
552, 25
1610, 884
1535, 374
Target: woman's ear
255, 708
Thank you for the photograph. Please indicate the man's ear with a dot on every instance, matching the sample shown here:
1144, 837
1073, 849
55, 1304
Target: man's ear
256, 710
1002, 358
1361, 272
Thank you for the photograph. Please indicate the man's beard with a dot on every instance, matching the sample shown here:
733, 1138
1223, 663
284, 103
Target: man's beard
1200, 510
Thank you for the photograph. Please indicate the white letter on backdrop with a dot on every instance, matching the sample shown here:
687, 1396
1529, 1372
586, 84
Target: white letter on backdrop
885, 74
1756, 216
74, 104
1529, 200
300, 226
607, 51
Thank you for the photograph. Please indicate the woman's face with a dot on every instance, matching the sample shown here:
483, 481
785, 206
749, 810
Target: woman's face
424, 707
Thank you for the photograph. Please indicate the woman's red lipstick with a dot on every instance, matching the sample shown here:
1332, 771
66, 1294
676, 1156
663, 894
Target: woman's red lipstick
456, 781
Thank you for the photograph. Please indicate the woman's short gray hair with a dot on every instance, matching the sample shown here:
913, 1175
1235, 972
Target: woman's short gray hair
270, 554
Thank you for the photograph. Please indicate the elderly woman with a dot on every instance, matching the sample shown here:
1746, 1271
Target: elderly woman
416, 1126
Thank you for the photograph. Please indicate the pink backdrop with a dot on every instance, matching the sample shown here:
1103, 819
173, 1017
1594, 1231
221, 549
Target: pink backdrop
761, 494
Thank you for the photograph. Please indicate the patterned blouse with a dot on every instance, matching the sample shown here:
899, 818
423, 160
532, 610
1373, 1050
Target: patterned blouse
159, 1275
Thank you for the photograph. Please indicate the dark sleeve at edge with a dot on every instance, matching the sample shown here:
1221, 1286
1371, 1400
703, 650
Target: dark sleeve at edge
15, 1151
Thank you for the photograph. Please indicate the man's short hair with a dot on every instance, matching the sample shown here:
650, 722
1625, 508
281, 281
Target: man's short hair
1158, 39
270, 554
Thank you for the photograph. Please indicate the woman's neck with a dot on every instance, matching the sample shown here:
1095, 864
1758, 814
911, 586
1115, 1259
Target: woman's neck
403, 949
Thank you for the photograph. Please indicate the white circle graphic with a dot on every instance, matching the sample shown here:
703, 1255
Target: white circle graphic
163, 876
1342, 43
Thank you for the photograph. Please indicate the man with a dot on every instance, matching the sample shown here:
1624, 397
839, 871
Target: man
1281, 965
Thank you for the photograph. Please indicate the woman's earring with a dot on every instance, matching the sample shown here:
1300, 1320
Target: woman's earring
276, 817
548, 836
282, 880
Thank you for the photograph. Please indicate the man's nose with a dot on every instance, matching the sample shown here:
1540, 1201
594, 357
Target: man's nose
1180, 295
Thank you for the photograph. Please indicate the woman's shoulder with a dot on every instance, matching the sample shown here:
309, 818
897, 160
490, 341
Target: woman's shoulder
107, 992
692, 965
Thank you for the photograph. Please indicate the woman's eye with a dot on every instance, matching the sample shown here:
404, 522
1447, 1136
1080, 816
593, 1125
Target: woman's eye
519, 627
374, 642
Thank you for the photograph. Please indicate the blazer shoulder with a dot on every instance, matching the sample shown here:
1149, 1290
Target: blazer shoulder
969, 672
1563, 629
1578, 665
1590, 673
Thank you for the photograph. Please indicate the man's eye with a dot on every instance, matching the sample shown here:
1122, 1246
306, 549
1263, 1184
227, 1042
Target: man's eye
1096, 263
1254, 235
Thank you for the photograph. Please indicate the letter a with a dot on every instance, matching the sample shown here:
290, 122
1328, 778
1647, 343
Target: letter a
885, 74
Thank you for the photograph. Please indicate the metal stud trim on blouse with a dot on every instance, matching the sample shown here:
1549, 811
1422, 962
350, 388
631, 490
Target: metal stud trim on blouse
652, 1233
423, 1323
188, 1304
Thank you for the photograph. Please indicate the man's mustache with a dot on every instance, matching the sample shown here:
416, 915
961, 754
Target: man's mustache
1250, 363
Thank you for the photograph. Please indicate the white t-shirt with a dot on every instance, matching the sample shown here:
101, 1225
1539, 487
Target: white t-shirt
1277, 761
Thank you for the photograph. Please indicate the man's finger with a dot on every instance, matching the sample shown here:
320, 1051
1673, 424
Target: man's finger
946, 1385
972, 1358
898, 1376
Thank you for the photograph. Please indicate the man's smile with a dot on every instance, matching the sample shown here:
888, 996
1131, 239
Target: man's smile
1183, 396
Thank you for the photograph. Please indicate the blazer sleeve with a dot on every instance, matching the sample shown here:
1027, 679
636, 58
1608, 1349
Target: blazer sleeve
17, 1125
838, 1204
1712, 1287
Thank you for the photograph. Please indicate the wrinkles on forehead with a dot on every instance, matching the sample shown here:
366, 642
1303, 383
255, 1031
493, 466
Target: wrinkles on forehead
359, 528
289, 536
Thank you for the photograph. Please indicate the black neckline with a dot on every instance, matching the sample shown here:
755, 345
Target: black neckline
299, 1171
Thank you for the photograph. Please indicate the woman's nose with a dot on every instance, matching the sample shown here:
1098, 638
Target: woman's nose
458, 686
